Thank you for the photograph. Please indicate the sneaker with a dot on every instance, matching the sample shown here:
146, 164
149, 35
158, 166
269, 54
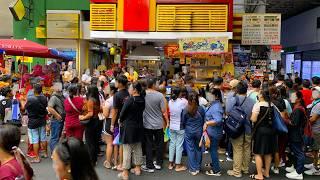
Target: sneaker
294, 175
194, 173
158, 167
145, 169
231, 173
282, 164
290, 169
275, 170
211, 173
229, 159
308, 166
312, 172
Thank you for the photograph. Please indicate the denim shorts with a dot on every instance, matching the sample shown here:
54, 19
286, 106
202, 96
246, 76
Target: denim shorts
37, 135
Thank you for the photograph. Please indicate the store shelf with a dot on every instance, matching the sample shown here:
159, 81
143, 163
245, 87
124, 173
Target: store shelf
207, 67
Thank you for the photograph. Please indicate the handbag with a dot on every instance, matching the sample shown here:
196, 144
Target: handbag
278, 122
83, 122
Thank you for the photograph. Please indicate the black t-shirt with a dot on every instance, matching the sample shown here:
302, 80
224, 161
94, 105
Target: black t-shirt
37, 110
298, 119
280, 104
118, 100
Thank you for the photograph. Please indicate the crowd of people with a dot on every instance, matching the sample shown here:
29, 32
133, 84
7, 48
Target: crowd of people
134, 118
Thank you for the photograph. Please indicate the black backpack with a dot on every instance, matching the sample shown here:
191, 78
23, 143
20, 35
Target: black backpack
234, 123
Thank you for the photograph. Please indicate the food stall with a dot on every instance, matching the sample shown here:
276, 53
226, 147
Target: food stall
206, 58
145, 56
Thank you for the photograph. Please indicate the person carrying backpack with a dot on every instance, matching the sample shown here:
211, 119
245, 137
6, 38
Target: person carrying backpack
242, 143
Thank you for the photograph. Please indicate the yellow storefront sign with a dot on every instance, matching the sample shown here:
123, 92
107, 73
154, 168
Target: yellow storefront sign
24, 59
204, 45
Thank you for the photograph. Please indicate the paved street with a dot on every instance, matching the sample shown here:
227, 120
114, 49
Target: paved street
44, 171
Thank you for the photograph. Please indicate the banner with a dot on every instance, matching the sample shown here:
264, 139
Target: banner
204, 45
261, 29
24, 59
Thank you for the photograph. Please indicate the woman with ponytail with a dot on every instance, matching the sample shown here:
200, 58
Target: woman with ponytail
192, 121
131, 136
13, 164
73, 106
176, 105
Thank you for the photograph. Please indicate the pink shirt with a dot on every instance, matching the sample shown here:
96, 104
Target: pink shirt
10, 170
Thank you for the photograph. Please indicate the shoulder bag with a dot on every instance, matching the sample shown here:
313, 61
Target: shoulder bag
83, 122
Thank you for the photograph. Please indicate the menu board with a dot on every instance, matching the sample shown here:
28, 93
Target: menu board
261, 29
306, 69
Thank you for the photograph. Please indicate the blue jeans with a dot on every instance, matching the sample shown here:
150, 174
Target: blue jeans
56, 130
176, 145
194, 152
214, 153
297, 150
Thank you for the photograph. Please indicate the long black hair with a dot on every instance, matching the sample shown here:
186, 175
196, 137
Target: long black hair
193, 103
93, 94
73, 90
138, 87
9, 142
300, 96
74, 153
175, 93
217, 93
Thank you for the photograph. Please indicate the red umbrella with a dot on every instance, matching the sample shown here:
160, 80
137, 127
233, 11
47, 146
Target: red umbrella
19, 47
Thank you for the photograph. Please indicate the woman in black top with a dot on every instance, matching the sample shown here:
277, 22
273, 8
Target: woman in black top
295, 135
131, 136
263, 135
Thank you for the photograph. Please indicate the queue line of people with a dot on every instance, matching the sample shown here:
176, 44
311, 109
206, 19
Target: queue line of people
133, 116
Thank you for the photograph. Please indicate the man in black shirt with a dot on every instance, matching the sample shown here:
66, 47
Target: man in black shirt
36, 108
118, 101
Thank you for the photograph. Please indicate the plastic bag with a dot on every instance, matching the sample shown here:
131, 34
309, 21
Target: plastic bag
205, 140
166, 134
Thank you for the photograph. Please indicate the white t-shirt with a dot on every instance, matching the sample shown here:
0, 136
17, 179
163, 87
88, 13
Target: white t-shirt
109, 103
203, 101
175, 109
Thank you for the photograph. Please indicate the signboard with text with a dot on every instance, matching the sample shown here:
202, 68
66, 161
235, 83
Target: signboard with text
261, 29
204, 45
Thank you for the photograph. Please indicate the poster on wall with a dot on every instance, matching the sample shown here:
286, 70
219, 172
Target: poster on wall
204, 45
261, 29
241, 63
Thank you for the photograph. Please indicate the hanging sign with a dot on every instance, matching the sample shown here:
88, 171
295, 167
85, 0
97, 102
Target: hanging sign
24, 59
204, 45
261, 29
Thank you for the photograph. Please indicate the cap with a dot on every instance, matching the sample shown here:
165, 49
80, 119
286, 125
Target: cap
234, 83
316, 88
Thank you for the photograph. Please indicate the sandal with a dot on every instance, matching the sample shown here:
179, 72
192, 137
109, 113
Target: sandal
253, 176
107, 165
120, 176
133, 171
35, 161
182, 168
119, 168
170, 167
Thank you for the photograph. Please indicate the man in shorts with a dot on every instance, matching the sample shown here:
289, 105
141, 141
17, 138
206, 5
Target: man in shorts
36, 107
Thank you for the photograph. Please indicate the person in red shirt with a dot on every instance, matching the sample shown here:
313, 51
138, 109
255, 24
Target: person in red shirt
73, 106
13, 163
306, 92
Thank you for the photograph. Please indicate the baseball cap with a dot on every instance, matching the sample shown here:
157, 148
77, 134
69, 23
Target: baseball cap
234, 83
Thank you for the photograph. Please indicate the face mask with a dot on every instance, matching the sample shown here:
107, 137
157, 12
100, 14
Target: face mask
293, 98
315, 94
